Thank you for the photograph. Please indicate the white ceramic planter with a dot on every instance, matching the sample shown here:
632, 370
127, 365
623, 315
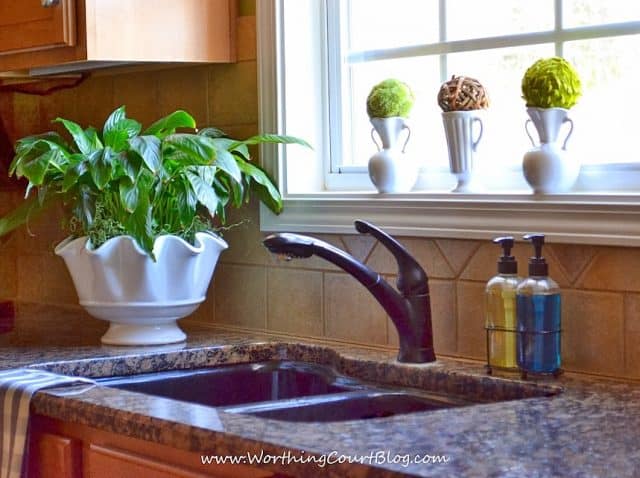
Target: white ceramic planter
142, 299
458, 129
550, 168
390, 170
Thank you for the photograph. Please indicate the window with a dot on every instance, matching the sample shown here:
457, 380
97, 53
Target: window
319, 59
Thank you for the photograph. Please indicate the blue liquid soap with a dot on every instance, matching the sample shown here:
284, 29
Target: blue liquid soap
538, 311
538, 344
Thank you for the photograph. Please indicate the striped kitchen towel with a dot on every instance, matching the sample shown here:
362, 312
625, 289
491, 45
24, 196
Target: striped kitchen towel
17, 386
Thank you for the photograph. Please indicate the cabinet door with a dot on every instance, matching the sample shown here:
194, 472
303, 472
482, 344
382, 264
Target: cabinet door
56, 456
103, 462
30, 25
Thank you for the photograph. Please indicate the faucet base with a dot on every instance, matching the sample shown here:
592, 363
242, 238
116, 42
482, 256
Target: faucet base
422, 355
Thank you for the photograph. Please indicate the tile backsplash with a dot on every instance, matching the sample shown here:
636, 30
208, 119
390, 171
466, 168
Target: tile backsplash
312, 298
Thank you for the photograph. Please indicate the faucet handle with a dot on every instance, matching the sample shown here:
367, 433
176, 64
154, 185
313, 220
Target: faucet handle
412, 279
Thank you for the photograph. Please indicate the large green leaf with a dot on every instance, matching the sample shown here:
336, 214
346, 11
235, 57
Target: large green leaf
263, 186
167, 125
73, 174
140, 224
85, 206
198, 150
101, 166
83, 142
212, 132
207, 173
118, 129
36, 169
148, 147
227, 162
94, 139
129, 194
187, 202
273, 138
232, 145
51, 138
33, 150
204, 192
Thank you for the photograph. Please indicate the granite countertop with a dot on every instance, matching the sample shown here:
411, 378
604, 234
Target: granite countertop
592, 428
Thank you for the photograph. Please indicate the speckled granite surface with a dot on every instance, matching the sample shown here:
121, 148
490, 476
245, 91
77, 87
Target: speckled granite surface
592, 428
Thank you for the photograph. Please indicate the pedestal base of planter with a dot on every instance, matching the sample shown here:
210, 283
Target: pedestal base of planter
142, 324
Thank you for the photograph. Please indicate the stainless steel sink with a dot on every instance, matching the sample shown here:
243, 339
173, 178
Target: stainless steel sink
291, 391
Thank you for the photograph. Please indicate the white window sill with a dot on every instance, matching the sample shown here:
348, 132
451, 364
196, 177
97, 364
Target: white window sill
604, 219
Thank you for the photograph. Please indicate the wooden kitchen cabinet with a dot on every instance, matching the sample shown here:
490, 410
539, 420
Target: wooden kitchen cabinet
65, 450
76, 35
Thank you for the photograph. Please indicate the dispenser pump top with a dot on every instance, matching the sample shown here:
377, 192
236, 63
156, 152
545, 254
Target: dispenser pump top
537, 264
507, 263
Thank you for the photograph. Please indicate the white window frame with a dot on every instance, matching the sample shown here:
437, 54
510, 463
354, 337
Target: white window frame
577, 218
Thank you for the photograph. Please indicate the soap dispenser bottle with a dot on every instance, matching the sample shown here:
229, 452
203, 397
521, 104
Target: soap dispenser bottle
538, 316
500, 310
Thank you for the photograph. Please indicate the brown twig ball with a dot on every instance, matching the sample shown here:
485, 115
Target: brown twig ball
462, 93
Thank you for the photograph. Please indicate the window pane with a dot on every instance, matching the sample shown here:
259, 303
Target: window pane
377, 24
504, 141
606, 116
589, 12
422, 75
489, 18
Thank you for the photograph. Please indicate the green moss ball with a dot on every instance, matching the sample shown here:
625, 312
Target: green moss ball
551, 83
388, 98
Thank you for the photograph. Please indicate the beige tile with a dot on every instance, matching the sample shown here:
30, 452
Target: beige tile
43, 278
95, 101
233, 93
294, 301
206, 312
613, 268
26, 116
483, 264
240, 295
632, 335
457, 252
62, 103
423, 250
443, 318
632, 313
184, 89
359, 246
246, 39
41, 234
573, 258
470, 331
8, 276
139, 92
592, 339
6, 113
244, 237
632, 355
351, 313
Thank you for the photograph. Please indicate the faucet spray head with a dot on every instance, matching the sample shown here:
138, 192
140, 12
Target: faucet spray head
289, 246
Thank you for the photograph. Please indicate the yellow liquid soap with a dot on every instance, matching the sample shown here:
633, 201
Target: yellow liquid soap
500, 313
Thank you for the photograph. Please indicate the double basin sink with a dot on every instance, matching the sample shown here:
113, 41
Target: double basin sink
288, 390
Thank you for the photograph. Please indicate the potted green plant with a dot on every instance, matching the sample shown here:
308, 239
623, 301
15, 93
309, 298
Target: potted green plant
550, 87
141, 208
388, 106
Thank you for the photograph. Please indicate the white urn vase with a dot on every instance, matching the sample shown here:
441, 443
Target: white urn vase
549, 168
462, 147
390, 170
141, 298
